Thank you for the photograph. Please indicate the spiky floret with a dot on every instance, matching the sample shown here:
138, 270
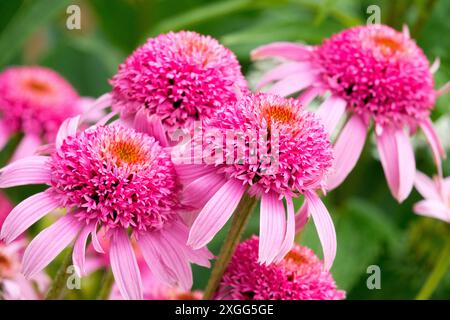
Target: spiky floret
117, 177
35, 100
381, 73
299, 154
181, 77
299, 276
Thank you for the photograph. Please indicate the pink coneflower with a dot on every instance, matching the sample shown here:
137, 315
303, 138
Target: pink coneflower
437, 197
299, 160
13, 285
299, 276
374, 73
173, 80
34, 101
110, 177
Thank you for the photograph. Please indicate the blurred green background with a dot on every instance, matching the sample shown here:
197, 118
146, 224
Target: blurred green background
372, 229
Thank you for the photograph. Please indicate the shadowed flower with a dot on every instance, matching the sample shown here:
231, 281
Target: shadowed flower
13, 285
299, 276
106, 177
35, 101
437, 197
174, 80
300, 157
374, 73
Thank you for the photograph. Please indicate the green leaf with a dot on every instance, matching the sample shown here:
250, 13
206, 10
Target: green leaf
31, 15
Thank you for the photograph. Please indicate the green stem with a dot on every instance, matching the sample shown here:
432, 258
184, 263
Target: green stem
59, 284
108, 281
240, 219
437, 274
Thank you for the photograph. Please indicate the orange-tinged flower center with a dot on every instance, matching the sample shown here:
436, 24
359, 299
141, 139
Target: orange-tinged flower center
38, 87
280, 114
126, 152
388, 45
5, 265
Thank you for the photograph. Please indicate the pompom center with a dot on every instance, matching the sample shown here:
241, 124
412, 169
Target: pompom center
126, 152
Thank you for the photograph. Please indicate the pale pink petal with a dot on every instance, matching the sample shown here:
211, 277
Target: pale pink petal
398, 161
90, 111
426, 187
308, 95
27, 147
215, 213
331, 112
4, 135
444, 89
287, 50
290, 231
282, 71
30, 170
302, 217
79, 249
433, 209
152, 125
124, 266
103, 121
84, 106
293, 83
188, 173
48, 244
434, 142
324, 226
95, 243
272, 227
197, 193
435, 66
26, 214
405, 30
347, 150
67, 129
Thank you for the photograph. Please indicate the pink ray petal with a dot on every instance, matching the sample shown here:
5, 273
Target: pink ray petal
282, 71
272, 227
215, 213
293, 83
426, 187
432, 209
27, 147
26, 214
152, 125
307, 96
95, 243
79, 249
287, 50
347, 150
67, 129
124, 266
324, 226
302, 217
434, 142
48, 244
4, 134
197, 193
331, 112
188, 173
435, 66
288, 241
101, 103
30, 170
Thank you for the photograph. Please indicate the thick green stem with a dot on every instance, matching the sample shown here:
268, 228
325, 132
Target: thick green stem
437, 274
108, 281
240, 219
59, 284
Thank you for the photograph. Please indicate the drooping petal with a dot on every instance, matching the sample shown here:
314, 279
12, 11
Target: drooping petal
124, 266
95, 243
27, 147
287, 50
150, 124
302, 217
26, 214
434, 142
215, 213
102, 102
30, 170
197, 193
331, 112
282, 71
4, 135
79, 249
67, 129
397, 158
288, 241
435, 66
272, 227
293, 83
188, 173
347, 150
48, 244
308, 95
324, 226
426, 187
432, 209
